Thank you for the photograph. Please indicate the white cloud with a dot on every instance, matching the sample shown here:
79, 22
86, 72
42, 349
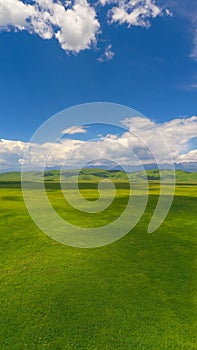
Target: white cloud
178, 133
78, 26
75, 23
188, 157
134, 12
12, 153
75, 27
15, 13
108, 54
74, 130
16, 147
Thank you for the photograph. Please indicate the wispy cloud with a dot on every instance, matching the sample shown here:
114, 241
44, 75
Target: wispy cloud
108, 54
194, 51
187, 9
192, 86
74, 130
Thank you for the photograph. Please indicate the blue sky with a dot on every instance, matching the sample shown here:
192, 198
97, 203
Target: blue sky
150, 66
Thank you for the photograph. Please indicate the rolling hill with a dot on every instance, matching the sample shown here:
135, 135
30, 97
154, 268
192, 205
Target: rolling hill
95, 174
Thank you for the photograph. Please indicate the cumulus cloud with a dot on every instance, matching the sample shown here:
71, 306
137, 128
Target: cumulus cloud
141, 141
74, 26
52, 154
10, 152
188, 157
75, 23
176, 133
15, 13
134, 12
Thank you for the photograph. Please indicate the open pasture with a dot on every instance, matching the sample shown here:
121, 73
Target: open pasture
138, 293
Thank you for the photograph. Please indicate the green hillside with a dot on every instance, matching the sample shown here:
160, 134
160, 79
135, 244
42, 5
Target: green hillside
96, 174
154, 175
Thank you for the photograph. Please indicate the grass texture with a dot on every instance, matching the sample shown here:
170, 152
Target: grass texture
138, 293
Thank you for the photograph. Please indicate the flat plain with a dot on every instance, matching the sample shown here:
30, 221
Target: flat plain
138, 293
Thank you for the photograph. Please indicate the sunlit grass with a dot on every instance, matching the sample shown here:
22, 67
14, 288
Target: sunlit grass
137, 293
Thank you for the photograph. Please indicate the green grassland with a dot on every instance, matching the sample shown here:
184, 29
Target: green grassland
89, 174
138, 293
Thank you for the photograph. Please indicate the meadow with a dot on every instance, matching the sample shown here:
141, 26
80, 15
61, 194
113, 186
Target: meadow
138, 293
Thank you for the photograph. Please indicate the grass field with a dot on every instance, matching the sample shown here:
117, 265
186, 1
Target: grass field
138, 293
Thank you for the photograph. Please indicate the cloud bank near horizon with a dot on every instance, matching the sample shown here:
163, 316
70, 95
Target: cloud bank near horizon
180, 134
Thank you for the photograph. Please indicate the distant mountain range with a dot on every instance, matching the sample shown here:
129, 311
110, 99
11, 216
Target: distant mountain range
110, 165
